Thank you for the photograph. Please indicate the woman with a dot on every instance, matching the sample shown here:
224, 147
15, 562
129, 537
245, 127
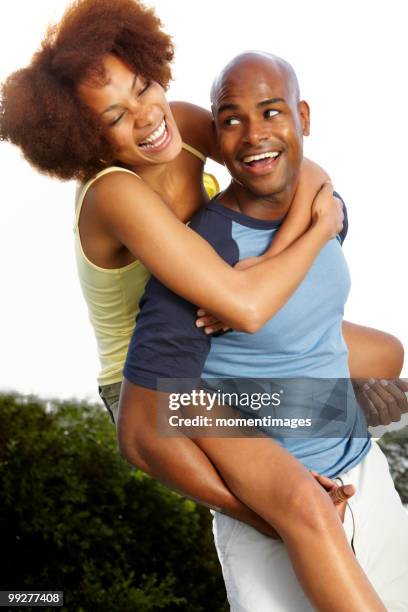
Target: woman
97, 86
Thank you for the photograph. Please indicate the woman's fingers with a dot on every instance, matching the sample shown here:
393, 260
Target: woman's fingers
205, 321
211, 324
216, 329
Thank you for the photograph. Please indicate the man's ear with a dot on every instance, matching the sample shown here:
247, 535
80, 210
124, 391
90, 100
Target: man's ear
213, 126
304, 114
216, 152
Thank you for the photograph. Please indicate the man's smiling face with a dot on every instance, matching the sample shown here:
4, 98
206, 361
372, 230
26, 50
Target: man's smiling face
260, 123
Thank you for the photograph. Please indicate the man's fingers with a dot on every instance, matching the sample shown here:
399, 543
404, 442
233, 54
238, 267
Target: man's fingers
380, 405
327, 483
370, 410
384, 390
342, 494
389, 400
397, 391
401, 383
398, 403
338, 494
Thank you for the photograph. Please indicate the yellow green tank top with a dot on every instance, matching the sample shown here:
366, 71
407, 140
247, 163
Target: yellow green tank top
113, 295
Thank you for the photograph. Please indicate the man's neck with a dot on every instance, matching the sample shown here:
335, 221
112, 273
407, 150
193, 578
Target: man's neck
268, 208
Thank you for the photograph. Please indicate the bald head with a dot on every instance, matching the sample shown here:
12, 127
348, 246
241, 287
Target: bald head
251, 64
260, 122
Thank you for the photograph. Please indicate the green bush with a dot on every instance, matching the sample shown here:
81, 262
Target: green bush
395, 446
75, 517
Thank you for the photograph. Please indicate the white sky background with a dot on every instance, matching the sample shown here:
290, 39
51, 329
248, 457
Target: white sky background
351, 59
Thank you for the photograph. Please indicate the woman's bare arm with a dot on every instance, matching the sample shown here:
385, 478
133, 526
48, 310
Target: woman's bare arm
197, 128
311, 179
129, 210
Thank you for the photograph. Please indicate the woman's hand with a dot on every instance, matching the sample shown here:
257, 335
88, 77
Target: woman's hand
211, 324
327, 214
327, 211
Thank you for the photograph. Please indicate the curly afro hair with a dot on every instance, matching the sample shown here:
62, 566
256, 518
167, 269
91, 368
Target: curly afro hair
39, 109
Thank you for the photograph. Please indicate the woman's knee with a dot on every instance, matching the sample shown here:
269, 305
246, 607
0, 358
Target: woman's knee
306, 507
373, 353
135, 425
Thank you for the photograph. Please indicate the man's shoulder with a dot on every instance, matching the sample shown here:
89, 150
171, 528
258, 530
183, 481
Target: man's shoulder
215, 227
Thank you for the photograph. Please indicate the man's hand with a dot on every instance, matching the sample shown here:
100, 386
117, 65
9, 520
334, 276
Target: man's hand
383, 401
339, 494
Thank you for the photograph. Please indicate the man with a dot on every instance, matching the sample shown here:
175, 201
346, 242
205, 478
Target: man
260, 123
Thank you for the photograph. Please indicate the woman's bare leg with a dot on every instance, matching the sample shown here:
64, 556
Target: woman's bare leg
372, 353
274, 484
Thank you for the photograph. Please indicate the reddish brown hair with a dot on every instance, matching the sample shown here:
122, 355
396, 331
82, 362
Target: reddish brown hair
39, 109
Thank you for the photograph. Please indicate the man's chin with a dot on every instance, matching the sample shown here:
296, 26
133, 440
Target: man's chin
264, 188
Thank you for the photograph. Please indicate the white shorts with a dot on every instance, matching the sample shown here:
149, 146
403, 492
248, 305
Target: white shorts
257, 571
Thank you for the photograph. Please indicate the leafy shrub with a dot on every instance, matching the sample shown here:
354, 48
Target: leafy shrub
395, 446
75, 517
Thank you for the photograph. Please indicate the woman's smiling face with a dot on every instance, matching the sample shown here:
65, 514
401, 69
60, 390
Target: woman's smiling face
134, 113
